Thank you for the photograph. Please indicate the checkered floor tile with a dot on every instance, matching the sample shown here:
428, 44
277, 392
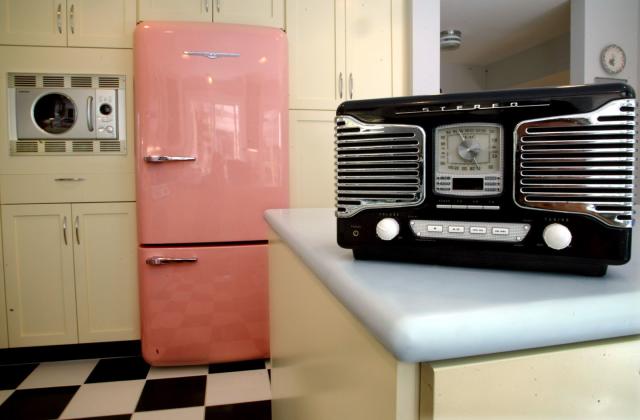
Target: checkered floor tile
128, 388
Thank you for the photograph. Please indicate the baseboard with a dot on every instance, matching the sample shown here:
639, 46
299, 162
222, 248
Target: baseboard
70, 352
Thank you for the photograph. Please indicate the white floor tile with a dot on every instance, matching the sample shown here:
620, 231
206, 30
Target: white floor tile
48, 374
5, 394
102, 399
189, 413
177, 371
235, 387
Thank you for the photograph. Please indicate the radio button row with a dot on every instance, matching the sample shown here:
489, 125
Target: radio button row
467, 230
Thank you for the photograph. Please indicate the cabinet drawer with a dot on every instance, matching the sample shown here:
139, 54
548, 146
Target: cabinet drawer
61, 188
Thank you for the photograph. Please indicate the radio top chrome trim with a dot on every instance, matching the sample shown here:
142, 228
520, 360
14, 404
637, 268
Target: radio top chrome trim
560, 168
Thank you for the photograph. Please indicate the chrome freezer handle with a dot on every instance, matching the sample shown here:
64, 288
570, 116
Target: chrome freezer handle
166, 260
160, 159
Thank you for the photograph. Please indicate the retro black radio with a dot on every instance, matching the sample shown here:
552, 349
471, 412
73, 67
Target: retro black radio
536, 179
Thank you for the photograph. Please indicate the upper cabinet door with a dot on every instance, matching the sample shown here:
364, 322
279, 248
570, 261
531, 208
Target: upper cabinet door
249, 12
368, 49
38, 257
33, 22
188, 10
211, 132
316, 54
99, 23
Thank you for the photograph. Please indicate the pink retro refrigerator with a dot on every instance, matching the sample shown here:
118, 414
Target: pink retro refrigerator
211, 156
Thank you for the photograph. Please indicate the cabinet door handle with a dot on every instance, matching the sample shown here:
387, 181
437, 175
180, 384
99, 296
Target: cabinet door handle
64, 230
90, 113
206, 6
218, 6
340, 85
72, 20
77, 227
59, 18
166, 260
350, 85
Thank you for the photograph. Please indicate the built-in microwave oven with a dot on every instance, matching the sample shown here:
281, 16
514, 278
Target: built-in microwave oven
63, 113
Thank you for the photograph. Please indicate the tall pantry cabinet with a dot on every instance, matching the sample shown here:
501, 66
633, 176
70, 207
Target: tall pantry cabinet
68, 221
338, 50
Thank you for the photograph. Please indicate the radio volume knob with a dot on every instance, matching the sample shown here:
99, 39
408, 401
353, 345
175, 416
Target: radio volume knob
557, 236
387, 229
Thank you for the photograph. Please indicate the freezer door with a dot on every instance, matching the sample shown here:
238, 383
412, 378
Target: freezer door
203, 304
211, 130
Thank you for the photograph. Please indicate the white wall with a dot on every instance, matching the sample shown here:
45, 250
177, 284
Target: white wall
461, 78
425, 47
541, 65
596, 24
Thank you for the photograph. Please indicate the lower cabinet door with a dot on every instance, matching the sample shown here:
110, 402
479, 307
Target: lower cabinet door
204, 304
104, 241
38, 263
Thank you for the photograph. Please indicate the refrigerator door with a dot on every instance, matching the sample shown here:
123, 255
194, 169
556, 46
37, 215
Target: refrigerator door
204, 304
211, 129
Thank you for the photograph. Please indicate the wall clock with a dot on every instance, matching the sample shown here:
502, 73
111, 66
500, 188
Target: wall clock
613, 59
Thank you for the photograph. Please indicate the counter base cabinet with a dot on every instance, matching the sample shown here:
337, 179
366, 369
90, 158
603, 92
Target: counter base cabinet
326, 364
70, 273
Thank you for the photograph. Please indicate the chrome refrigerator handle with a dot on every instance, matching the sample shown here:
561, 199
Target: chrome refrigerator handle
167, 260
211, 54
160, 159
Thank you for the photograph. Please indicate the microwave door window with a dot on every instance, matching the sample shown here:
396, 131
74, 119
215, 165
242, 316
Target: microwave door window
55, 113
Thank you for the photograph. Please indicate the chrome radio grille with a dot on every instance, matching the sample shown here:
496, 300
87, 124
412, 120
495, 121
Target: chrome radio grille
582, 163
377, 165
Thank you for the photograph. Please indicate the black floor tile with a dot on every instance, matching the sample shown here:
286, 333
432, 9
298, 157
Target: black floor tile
237, 366
161, 394
119, 369
12, 375
258, 410
38, 403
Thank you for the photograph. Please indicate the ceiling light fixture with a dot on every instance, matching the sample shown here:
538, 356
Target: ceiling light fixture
450, 39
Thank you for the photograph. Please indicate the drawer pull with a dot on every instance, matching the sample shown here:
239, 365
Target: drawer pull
69, 179
166, 260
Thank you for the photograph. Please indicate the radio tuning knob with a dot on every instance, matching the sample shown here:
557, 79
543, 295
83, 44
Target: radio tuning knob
387, 229
557, 236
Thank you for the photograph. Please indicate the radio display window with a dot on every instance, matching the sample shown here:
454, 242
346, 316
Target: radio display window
469, 159
473, 184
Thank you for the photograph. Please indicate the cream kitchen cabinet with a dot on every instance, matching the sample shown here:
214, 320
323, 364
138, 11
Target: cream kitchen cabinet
73, 23
249, 12
340, 50
70, 273
4, 336
311, 150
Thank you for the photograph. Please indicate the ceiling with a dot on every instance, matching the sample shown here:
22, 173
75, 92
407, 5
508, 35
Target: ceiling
495, 29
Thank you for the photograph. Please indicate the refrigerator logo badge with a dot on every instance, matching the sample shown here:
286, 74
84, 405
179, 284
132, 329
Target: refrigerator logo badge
210, 54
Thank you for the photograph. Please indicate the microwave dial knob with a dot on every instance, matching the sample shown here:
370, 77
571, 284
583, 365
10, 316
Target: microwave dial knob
557, 236
387, 229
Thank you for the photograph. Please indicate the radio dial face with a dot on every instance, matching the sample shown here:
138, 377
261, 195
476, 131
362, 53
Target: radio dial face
469, 159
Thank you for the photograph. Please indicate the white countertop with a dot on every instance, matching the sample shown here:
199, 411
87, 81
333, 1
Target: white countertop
423, 312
